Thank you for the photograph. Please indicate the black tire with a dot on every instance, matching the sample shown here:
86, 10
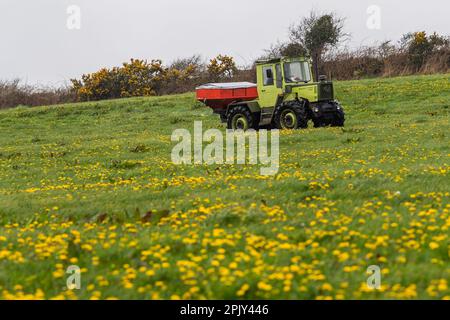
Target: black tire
240, 118
291, 116
339, 119
318, 124
334, 119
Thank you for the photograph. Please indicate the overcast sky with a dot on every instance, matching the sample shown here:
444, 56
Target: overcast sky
37, 46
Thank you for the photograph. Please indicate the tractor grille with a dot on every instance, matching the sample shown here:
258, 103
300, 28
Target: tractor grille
326, 91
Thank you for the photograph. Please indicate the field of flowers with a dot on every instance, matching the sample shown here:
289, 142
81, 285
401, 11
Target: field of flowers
92, 185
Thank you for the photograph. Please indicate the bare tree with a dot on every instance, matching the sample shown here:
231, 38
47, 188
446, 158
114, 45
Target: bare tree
192, 61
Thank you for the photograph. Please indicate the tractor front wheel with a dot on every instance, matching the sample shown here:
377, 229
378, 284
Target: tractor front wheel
339, 119
328, 114
240, 118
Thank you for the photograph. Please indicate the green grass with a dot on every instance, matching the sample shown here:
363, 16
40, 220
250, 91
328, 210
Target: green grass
77, 183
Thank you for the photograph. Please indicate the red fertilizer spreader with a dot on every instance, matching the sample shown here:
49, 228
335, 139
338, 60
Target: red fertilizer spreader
218, 96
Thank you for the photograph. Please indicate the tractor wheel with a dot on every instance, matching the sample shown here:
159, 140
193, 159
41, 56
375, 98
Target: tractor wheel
333, 118
339, 119
291, 116
240, 118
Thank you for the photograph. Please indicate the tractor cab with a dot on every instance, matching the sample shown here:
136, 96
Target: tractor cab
290, 78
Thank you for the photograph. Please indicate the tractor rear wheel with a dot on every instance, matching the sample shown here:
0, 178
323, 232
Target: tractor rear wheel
240, 118
291, 116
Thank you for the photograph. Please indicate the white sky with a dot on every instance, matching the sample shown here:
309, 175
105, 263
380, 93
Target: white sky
36, 45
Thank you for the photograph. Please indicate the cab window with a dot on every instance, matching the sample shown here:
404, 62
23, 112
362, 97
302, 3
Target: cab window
268, 76
279, 76
297, 72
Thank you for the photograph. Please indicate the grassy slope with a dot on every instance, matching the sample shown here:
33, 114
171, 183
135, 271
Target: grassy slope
75, 181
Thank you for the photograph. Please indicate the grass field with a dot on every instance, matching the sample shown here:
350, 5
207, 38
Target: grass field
93, 185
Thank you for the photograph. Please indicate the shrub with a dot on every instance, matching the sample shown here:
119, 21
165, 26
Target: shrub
134, 78
14, 93
416, 53
222, 67
183, 75
421, 47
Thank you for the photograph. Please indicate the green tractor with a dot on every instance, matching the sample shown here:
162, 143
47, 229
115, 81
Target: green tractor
286, 97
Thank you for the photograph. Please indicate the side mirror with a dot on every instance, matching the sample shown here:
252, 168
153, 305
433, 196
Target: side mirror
322, 78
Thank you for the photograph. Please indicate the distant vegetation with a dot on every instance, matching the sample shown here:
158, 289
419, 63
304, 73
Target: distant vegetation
317, 35
13, 93
415, 53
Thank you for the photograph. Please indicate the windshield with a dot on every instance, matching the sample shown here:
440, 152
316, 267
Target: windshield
297, 72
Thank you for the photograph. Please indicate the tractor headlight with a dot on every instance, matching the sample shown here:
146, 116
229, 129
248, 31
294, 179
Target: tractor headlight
316, 110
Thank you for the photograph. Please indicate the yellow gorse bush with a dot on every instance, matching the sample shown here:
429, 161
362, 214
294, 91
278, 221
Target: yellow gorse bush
222, 66
133, 79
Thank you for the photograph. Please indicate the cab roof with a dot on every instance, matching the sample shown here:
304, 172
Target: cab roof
279, 59
266, 61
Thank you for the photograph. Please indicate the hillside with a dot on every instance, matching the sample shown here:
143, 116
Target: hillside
78, 183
